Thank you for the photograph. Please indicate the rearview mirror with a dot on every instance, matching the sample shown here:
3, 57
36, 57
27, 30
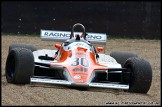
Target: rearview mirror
100, 49
58, 46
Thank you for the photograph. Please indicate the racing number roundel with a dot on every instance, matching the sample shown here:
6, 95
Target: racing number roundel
80, 61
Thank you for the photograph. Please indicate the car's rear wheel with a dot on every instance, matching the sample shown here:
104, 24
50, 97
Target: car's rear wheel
19, 66
141, 74
27, 46
121, 57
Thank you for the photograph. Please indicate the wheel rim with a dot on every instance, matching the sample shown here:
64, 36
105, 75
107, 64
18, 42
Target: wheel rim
129, 67
11, 67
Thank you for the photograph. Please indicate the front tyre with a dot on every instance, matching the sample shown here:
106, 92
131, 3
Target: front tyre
141, 77
19, 66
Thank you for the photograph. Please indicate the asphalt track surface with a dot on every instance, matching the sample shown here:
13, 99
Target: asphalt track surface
43, 94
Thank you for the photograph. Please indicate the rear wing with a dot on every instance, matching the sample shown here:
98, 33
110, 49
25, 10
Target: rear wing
61, 36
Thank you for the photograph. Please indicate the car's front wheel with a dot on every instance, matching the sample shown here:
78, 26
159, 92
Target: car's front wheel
19, 66
141, 74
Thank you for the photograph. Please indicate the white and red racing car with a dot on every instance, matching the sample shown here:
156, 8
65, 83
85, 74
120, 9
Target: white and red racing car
77, 62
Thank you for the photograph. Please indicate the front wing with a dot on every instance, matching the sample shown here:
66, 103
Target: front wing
64, 82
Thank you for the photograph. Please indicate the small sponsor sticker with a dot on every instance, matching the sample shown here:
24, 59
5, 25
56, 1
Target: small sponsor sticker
77, 76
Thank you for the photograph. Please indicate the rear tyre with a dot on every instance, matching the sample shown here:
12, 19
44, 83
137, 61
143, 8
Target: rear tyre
27, 46
141, 77
19, 66
121, 57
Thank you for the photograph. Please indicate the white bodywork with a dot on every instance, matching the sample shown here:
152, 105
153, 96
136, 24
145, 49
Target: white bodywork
43, 52
103, 59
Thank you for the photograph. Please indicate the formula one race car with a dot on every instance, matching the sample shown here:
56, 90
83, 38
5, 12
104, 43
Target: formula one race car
77, 62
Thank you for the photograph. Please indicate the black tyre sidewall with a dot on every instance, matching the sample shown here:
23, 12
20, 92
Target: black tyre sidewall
12, 56
24, 66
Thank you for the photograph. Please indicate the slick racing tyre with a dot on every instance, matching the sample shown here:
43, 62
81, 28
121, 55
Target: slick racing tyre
19, 66
27, 46
141, 74
121, 57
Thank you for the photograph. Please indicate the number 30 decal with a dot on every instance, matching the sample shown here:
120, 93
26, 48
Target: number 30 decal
80, 61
